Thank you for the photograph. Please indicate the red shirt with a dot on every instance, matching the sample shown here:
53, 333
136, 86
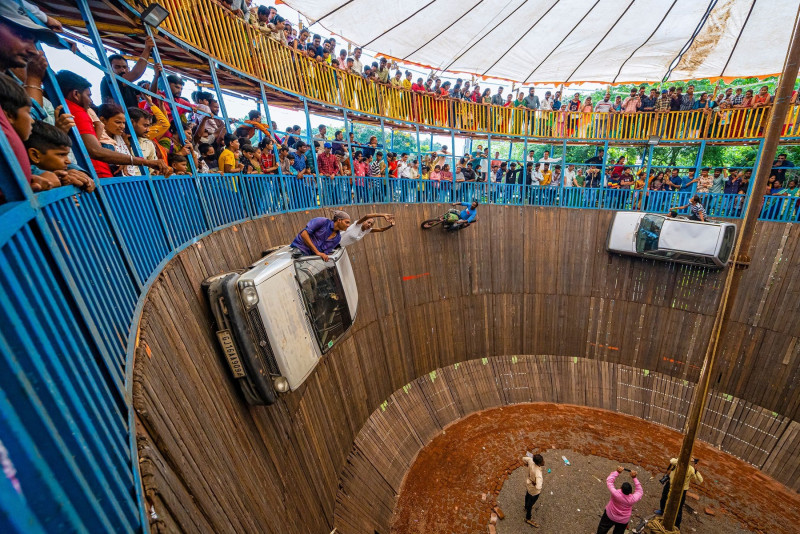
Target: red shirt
86, 127
267, 160
393, 169
327, 164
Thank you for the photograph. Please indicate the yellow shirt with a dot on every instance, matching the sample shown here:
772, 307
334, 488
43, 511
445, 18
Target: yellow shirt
161, 125
691, 475
406, 84
227, 158
547, 177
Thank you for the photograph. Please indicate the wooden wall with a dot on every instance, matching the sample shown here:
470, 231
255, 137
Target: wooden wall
388, 443
521, 281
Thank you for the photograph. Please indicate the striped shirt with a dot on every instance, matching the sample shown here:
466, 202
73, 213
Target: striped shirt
687, 102
698, 211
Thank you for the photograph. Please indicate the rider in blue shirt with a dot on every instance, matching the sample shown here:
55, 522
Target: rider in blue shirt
468, 215
465, 217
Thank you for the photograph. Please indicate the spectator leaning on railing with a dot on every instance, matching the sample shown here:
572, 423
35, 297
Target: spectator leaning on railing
77, 93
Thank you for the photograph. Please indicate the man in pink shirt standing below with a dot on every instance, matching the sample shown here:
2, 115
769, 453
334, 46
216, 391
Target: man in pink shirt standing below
619, 507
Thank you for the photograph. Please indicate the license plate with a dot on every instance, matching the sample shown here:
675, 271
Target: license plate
226, 341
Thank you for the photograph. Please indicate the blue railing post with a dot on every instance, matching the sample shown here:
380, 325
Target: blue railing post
173, 106
525, 163
750, 183
243, 196
563, 171
385, 160
453, 167
97, 42
350, 155
284, 196
313, 154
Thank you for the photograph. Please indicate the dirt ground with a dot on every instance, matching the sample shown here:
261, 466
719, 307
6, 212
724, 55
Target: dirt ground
576, 495
457, 478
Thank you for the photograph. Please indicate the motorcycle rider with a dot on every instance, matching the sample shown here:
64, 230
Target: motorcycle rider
456, 220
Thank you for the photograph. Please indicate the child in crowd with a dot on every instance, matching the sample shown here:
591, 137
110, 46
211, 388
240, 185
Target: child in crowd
178, 163
227, 158
17, 123
250, 159
48, 150
141, 127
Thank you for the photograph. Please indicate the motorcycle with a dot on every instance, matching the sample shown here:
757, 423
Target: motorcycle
448, 220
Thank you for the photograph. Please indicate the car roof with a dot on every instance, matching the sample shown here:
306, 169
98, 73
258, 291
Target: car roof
690, 236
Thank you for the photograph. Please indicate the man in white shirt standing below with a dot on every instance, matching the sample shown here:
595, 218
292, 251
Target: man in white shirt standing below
356, 232
533, 484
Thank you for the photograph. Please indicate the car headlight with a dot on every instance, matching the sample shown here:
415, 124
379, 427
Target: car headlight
248, 292
281, 384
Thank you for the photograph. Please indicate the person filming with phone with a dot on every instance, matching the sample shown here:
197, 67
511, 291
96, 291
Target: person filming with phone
692, 475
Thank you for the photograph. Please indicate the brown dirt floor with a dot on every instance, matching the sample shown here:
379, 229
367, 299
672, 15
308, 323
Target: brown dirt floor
444, 490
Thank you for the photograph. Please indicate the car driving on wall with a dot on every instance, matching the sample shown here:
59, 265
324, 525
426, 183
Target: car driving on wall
680, 240
275, 320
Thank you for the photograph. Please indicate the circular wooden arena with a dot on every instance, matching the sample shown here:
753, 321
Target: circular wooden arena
524, 306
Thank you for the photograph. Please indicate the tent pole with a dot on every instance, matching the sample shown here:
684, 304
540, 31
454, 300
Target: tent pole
666, 524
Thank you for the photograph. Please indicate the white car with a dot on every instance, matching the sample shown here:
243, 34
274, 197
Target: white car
679, 239
275, 320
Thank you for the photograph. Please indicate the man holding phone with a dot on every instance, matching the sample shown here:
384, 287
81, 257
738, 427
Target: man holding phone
692, 474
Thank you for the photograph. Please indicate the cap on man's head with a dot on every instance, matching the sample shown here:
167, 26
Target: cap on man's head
15, 15
664, 91
328, 145
339, 214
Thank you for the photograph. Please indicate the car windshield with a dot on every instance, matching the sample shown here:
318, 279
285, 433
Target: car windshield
325, 300
647, 235
727, 244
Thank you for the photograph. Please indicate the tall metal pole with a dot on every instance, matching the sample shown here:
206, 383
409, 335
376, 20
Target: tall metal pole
730, 289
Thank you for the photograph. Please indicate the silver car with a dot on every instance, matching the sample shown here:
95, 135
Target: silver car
680, 240
276, 319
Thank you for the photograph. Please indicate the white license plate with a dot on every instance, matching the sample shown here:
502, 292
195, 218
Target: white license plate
226, 340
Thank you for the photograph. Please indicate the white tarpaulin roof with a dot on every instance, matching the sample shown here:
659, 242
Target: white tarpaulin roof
554, 41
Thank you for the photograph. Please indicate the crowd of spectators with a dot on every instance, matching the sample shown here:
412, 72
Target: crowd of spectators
719, 116
151, 124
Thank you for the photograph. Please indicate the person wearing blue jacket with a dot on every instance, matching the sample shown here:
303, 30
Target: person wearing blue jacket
466, 216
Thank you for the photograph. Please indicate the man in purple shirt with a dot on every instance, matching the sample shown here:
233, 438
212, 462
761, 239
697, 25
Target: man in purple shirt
321, 235
619, 507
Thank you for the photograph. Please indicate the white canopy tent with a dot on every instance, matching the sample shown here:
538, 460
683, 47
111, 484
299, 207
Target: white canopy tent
570, 41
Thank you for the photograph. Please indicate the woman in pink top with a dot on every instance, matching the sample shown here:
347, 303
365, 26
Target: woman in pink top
619, 507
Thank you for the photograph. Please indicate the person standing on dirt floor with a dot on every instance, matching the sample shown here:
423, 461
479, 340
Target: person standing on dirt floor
356, 231
533, 485
618, 510
692, 474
